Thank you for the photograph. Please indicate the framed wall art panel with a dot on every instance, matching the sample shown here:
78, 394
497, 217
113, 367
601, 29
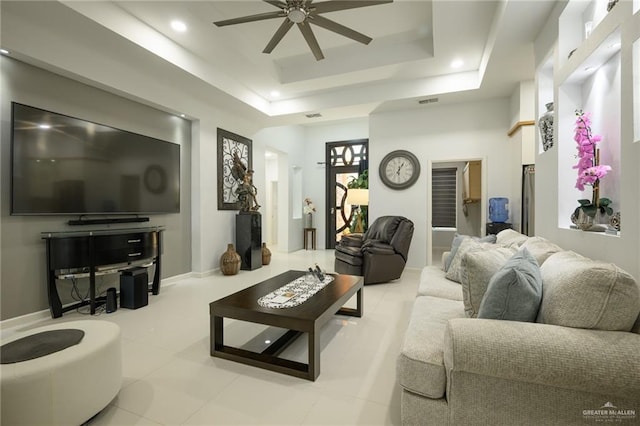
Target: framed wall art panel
230, 144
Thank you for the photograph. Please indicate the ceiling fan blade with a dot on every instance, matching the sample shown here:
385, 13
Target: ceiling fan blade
276, 3
284, 28
330, 25
251, 18
332, 6
305, 29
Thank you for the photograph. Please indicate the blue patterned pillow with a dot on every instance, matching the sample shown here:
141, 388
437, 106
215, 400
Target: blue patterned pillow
515, 291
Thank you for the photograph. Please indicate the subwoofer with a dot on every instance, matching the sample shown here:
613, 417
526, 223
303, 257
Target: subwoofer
134, 288
112, 300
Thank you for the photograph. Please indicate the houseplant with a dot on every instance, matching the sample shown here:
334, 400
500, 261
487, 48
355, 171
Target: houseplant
590, 171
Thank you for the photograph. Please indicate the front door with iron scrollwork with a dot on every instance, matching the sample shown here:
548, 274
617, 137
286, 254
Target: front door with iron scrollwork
345, 160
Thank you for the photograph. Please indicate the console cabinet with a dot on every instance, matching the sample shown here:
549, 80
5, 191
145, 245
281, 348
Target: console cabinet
72, 255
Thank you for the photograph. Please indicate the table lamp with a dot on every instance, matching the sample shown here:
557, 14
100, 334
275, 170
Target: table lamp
358, 197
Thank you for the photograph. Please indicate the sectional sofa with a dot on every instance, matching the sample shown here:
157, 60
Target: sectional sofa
556, 342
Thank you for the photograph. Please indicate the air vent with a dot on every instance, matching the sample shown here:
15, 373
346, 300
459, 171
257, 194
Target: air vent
314, 115
428, 101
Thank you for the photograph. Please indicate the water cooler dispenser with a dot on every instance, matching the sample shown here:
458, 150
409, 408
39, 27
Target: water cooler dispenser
499, 209
498, 215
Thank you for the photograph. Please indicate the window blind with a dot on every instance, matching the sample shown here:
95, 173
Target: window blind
443, 198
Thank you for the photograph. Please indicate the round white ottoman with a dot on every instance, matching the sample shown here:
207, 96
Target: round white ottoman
66, 387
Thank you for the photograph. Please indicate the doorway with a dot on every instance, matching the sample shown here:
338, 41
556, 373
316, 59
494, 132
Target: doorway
449, 179
345, 160
272, 230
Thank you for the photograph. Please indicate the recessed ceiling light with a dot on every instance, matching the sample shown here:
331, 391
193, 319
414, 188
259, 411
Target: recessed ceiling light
4, 51
275, 93
44, 126
457, 63
182, 115
179, 26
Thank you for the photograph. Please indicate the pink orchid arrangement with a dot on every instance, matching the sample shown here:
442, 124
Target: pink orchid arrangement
589, 170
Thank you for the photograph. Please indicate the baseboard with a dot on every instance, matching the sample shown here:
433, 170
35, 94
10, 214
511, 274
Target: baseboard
30, 318
205, 273
174, 279
25, 319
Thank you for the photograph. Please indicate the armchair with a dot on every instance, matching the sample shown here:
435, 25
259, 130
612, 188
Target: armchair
380, 254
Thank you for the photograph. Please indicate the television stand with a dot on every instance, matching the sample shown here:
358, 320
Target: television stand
72, 255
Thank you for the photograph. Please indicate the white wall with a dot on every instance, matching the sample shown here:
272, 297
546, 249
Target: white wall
288, 143
552, 170
522, 109
22, 250
437, 133
91, 54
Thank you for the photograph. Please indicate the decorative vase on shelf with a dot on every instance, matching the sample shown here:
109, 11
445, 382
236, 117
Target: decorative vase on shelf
266, 254
545, 124
584, 221
230, 261
614, 221
308, 220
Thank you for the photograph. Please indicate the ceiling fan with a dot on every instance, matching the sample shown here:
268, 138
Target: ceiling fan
303, 13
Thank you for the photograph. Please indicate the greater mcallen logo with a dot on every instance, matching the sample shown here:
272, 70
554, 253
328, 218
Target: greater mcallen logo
609, 413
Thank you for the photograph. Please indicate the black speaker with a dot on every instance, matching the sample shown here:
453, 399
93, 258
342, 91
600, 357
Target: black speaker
134, 288
112, 300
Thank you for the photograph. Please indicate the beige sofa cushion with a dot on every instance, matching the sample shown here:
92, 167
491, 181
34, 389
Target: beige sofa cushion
433, 283
583, 293
421, 361
540, 248
453, 273
509, 237
477, 268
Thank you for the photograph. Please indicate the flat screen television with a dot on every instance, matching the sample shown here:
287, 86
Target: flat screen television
63, 165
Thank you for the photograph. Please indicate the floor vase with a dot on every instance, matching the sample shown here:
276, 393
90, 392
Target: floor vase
266, 254
230, 261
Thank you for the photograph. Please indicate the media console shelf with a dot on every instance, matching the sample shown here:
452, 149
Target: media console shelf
91, 253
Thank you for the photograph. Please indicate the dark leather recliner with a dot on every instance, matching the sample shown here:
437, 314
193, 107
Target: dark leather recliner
380, 254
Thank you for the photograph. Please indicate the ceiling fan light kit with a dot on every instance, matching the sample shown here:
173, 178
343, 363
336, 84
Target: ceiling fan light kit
305, 12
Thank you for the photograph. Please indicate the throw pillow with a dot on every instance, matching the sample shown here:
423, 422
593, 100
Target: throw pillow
515, 291
540, 248
457, 240
584, 293
477, 268
509, 237
467, 244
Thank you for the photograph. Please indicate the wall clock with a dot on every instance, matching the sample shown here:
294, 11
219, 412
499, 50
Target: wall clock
399, 169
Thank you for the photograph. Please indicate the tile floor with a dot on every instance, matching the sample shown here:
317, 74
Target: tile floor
169, 378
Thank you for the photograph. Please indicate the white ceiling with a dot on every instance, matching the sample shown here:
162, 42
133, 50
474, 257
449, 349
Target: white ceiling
414, 44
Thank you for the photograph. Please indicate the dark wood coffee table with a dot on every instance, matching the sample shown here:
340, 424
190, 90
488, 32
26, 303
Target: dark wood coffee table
307, 317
